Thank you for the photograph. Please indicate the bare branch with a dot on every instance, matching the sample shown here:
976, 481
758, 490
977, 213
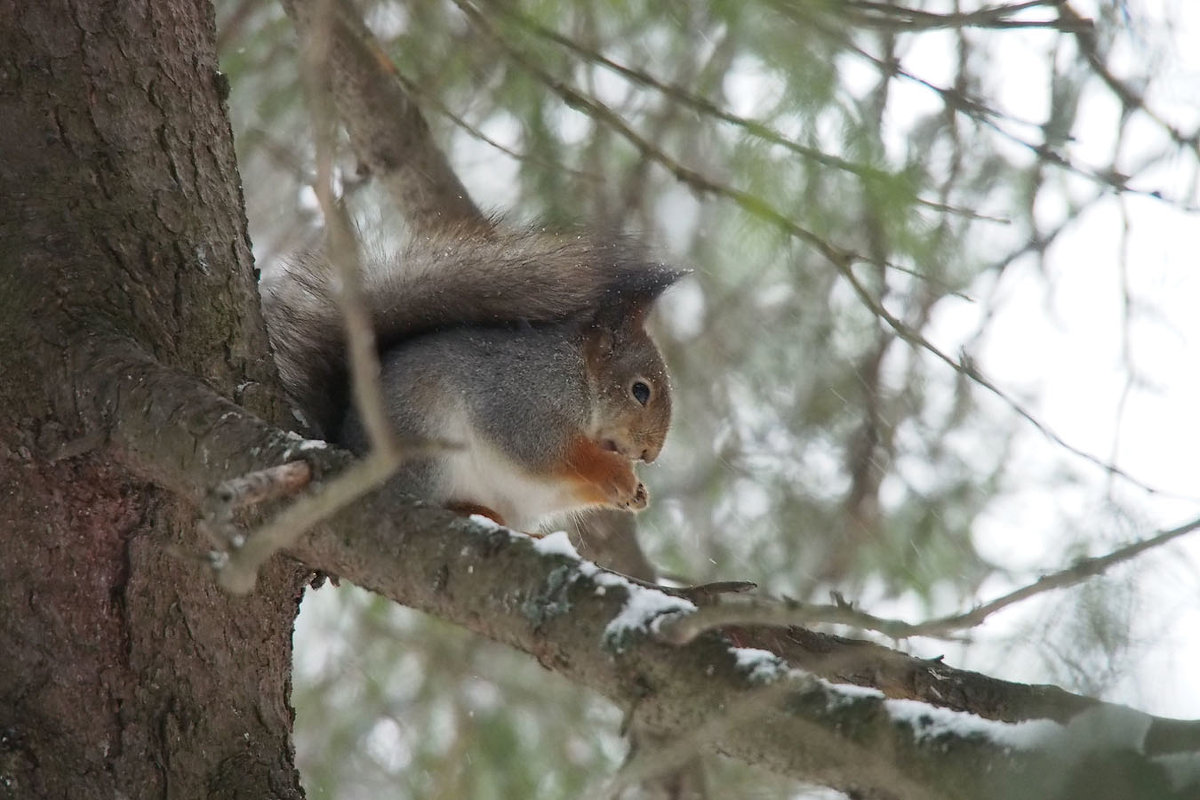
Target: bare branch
974, 108
687, 626
341, 248
387, 130
897, 18
750, 126
1075, 574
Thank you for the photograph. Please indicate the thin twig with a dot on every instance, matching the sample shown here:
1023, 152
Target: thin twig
752, 127
1075, 574
770, 612
962, 103
1131, 98
341, 243
432, 101
237, 569
896, 18
775, 613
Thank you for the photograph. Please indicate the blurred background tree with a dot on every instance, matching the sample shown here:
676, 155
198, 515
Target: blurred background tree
1004, 181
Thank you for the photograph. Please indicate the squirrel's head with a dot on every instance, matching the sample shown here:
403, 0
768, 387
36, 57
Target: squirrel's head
632, 393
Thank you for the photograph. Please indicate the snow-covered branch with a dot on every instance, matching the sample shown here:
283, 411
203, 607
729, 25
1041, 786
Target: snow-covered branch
873, 740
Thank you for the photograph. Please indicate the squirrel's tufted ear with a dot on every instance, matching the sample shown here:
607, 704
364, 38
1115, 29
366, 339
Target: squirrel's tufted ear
619, 324
643, 286
634, 292
620, 314
621, 318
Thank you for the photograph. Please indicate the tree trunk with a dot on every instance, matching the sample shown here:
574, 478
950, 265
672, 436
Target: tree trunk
127, 672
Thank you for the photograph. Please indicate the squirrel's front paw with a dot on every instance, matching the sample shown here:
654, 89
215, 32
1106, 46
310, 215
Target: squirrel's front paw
629, 493
641, 498
603, 477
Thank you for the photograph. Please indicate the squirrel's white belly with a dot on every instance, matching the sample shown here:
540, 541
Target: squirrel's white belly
479, 474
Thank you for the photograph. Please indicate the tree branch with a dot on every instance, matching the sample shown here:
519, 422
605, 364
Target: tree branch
585, 623
750, 126
771, 612
387, 131
893, 17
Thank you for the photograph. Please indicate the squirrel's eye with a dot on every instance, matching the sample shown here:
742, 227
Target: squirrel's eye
640, 392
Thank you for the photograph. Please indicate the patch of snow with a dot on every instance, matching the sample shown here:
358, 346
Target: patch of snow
760, 666
602, 579
486, 522
298, 444
1108, 728
557, 544
848, 692
930, 722
643, 607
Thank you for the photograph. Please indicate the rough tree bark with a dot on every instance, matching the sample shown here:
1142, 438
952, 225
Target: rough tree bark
126, 672
134, 374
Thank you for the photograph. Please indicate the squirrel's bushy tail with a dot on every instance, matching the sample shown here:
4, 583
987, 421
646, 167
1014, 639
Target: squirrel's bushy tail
457, 276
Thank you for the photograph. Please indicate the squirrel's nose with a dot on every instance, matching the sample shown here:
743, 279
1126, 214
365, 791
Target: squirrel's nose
649, 454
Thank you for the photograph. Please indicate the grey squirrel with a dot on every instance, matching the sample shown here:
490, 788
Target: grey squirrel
527, 349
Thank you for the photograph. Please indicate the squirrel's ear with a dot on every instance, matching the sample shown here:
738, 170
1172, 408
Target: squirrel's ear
637, 295
644, 285
623, 316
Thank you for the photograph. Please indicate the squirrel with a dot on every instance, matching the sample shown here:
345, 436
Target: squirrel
525, 350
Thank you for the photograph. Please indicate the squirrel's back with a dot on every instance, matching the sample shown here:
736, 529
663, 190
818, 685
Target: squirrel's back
459, 276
